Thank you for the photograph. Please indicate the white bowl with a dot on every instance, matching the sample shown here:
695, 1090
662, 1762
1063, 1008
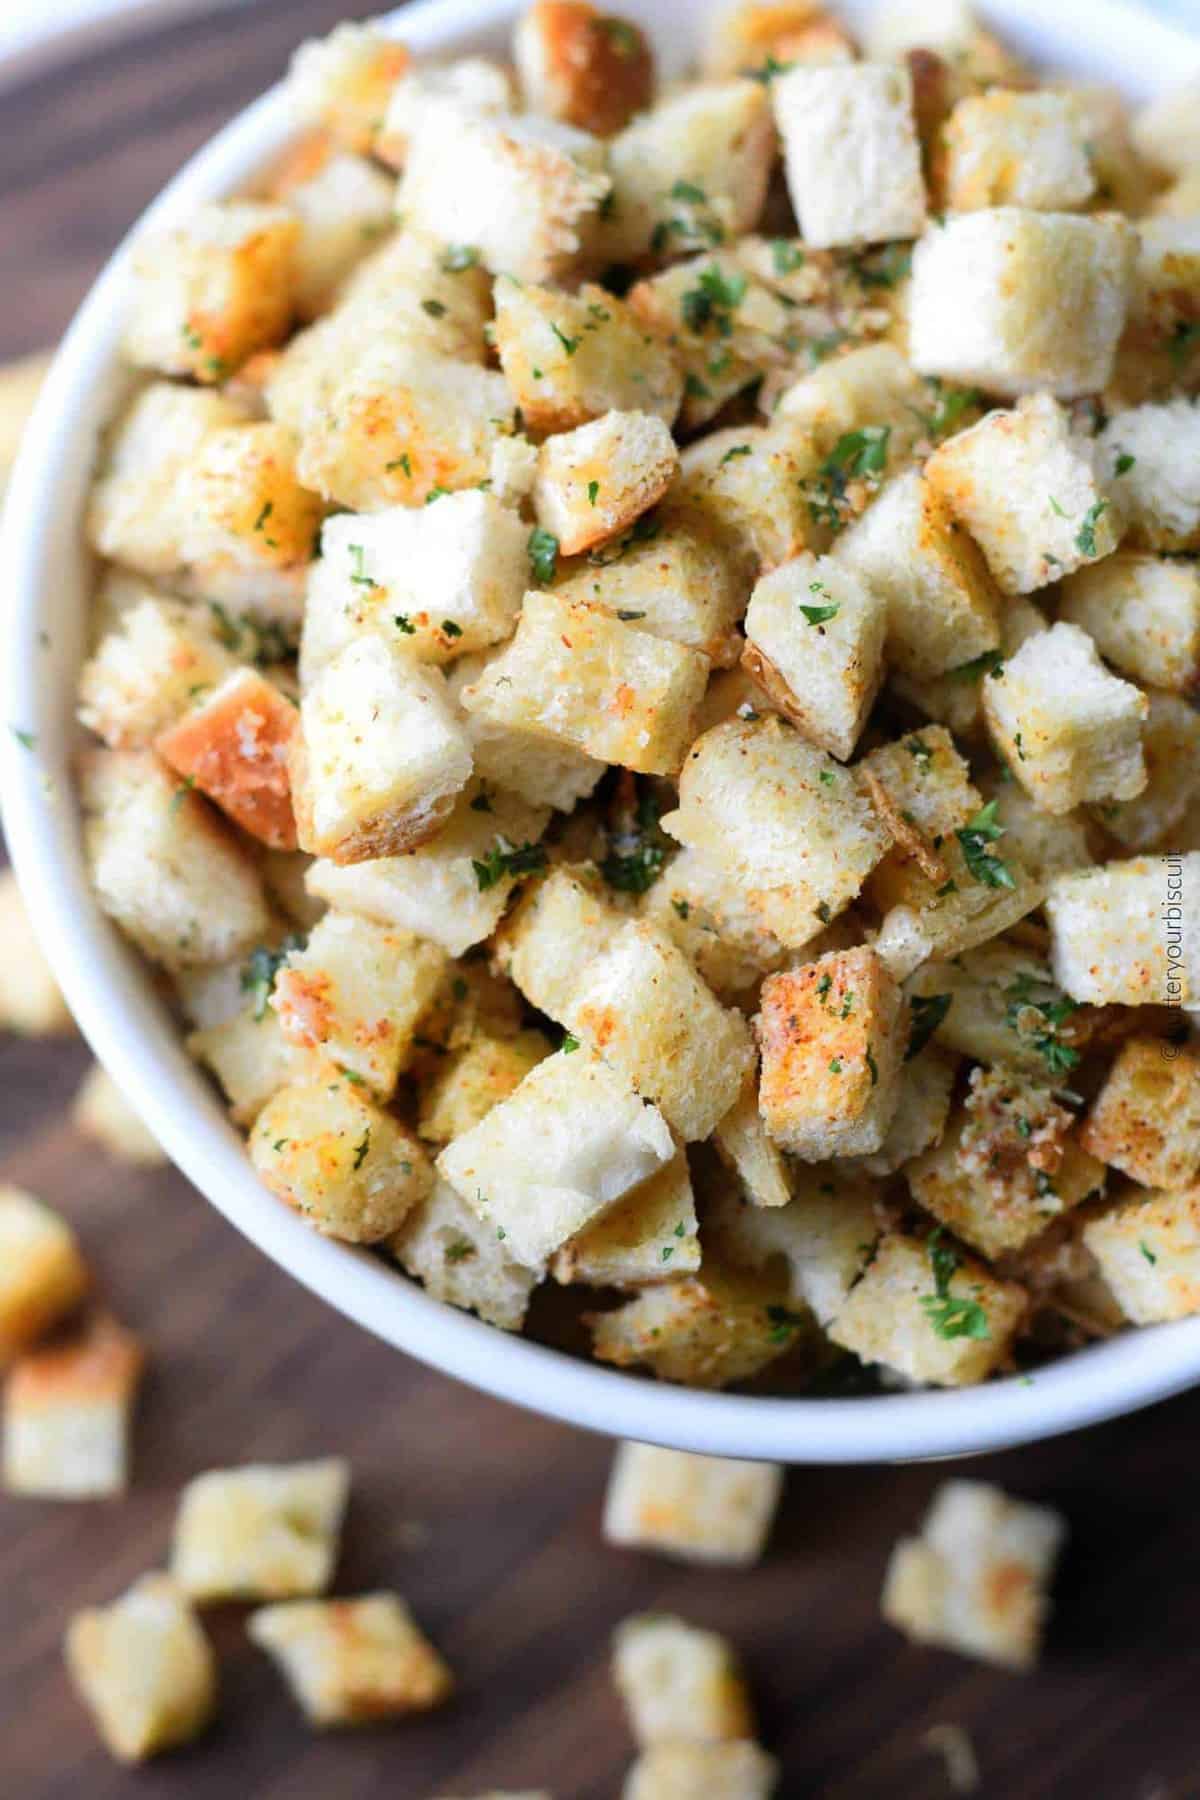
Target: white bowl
48, 577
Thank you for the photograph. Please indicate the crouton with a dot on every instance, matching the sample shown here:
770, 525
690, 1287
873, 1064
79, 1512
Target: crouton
922, 789
588, 68
1166, 305
553, 934
539, 770
704, 1509
1167, 130
986, 891
480, 83
343, 204
926, 1083
144, 1669
1122, 932
233, 746
1063, 516
679, 1683
850, 151
954, 698
352, 1662
998, 1004
473, 1079
1147, 1246
824, 1238
833, 1035
144, 673
326, 1149
343, 82
705, 911
975, 1579
1155, 473
749, 482
679, 581
249, 1055
380, 758
30, 1001
675, 1770
870, 385
1144, 614
706, 1330
67, 1408
651, 1235
569, 358
782, 818
213, 290
524, 192
260, 1532
942, 606
594, 482
1171, 750
1044, 843
929, 1313
723, 327
1145, 1120
593, 683
1014, 149
1069, 731
559, 1152
742, 1143
102, 1113
461, 1261
1021, 302
164, 867
750, 35
814, 643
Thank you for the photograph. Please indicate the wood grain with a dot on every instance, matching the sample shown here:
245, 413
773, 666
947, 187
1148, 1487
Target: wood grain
486, 1518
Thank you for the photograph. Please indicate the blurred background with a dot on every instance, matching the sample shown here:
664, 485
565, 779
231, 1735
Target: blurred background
486, 1519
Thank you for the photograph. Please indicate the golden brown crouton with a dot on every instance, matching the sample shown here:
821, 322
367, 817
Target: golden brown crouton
703, 1509
353, 1662
42, 1272
233, 745
67, 1406
678, 1682
1145, 1120
260, 1532
588, 68
144, 1669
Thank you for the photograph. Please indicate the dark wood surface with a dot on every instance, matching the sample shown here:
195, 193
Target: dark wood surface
486, 1518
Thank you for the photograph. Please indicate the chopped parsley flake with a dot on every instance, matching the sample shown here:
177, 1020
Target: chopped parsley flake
786, 258
682, 908
733, 451
928, 1011
569, 1044
260, 969
459, 1251
542, 549
626, 614
817, 615
1035, 1010
405, 626
569, 344
451, 628
26, 739
435, 308
1124, 463
1085, 537
689, 192
358, 575
361, 1149
990, 663
951, 1315
639, 853
593, 489
977, 837
505, 861
1146, 1251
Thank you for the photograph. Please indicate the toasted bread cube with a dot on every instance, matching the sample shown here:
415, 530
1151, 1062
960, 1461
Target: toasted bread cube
1148, 1250
1069, 731
343, 203
679, 582
675, 1771
986, 892
942, 605
926, 1083
212, 291
130, 514
548, 940
594, 482
164, 867
743, 1144
1167, 293
752, 797
650, 1235
1145, 1120
472, 1080
707, 914
343, 82
975, 1579
148, 670
707, 1330
67, 1408
538, 770
480, 83
923, 791
522, 191
356, 992
353, 1171
704, 1509
824, 1237
833, 1035
462, 1262
569, 358
30, 1001
1171, 748
814, 643
558, 1153
715, 141
954, 698
1166, 129
380, 759
582, 66
352, 1662
250, 1057
1123, 933
998, 1004
144, 1669
436, 581
392, 290
851, 153
260, 1532
233, 746
101, 1112
679, 1684
1044, 843
1021, 302
1152, 451
885, 1318
1144, 614
869, 385
575, 675
759, 499
1014, 149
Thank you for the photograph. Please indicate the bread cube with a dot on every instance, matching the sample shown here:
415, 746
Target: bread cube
928, 1313
702, 1509
1145, 1120
524, 191
722, 324
706, 1330
344, 203
897, 26
1144, 613
743, 1144
954, 698
352, 1662
147, 671
560, 1151
67, 1407
581, 678
866, 385
353, 1171
569, 358
1123, 932
582, 66
824, 1237
233, 746
676, 1770
1166, 129
1044, 843
851, 153
678, 1683
833, 1035
481, 83
260, 1532
1069, 731
1166, 297
679, 582
1021, 302
1171, 750
922, 790
380, 759
941, 603
213, 290
650, 1235
538, 770
986, 892
473, 1079
926, 1083
782, 818
689, 173
1152, 451
975, 1579
594, 482
756, 499
706, 912
164, 867
814, 643
1148, 1250
343, 82
1014, 149
461, 1261
250, 1057
551, 937
144, 1669
102, 1113
30, 1001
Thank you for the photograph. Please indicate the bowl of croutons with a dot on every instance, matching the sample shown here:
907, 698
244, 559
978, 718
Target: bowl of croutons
599, 690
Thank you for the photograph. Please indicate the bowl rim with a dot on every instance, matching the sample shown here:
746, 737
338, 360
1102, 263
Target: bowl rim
128, 1029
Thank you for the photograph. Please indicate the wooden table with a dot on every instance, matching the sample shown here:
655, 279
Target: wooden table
487, 1519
